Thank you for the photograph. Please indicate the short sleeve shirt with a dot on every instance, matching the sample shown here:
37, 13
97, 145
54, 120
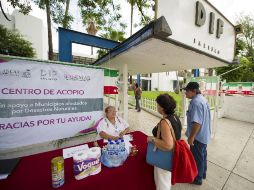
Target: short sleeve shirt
106, 126
199, 112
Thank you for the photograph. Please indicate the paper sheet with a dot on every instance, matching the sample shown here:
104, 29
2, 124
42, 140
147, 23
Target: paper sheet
3, 176
128, 145
127, 138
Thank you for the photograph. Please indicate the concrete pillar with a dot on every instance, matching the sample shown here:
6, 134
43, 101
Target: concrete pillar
183, 117
158, 87
123, 95
184, 103
216, 108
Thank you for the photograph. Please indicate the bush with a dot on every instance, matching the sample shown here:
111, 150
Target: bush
13, 43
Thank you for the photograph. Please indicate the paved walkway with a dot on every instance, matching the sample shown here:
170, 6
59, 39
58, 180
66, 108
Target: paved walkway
230, 154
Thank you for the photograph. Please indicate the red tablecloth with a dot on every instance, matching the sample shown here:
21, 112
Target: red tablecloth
34, 172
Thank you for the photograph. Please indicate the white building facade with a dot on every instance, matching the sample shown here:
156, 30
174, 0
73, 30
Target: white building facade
31, 28
165, 81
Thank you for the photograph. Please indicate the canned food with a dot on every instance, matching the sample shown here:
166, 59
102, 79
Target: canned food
57, 171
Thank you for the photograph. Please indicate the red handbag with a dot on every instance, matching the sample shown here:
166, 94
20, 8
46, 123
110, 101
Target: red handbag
184, 168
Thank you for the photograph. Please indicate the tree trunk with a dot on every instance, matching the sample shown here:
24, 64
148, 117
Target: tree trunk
156, 9
65, 22
132, 5
50, 44
4, 12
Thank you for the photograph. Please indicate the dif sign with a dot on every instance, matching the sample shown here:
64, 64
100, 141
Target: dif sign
199, 25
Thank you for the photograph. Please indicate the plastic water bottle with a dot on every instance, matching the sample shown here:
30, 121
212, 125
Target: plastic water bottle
122, 146
115, 157
121, 151
107, 154
116, 148
110, 148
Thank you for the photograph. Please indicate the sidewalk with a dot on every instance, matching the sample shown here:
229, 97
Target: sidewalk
230, 154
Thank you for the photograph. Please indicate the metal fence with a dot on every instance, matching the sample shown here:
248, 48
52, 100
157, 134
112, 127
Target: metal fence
151, 105
147, 103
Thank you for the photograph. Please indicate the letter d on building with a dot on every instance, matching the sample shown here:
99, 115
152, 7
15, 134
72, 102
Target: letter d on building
200, 14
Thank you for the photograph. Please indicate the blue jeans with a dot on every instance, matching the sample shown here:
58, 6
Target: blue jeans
200, 154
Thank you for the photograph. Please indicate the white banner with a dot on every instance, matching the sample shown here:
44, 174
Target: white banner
41, 102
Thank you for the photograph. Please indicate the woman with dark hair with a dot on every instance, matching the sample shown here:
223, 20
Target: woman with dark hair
164, 139
168, 103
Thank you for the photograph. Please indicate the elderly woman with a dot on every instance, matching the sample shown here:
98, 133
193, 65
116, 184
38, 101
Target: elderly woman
112, 126
164, 141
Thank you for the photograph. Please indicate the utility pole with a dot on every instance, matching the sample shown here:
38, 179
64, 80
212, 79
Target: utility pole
155, 8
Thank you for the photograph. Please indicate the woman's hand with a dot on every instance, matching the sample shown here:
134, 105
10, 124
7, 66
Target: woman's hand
114, 138
121, 134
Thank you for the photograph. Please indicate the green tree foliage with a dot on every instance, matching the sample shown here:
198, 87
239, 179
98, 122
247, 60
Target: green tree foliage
67, 19
143, 6
54, 10
245, 51
111, 34
59, 11
24, 6
104, 13
59, 14
236, 75
247, 37
46, 5
248, 70
107, 18
13, 43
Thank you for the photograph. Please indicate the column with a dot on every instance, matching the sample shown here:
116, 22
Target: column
123, 95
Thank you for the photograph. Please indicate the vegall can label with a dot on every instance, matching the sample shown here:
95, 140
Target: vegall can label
57, 171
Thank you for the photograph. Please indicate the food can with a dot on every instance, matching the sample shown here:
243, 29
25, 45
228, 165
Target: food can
57, 171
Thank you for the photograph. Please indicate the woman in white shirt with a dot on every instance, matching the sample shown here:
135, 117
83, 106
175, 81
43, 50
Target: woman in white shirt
112, 126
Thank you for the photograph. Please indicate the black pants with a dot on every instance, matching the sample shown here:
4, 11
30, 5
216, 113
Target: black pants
138, 104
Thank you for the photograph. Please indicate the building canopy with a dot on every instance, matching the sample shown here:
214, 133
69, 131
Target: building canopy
190, 43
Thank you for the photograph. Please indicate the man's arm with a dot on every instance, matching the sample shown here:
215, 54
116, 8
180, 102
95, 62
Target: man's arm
195, 129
